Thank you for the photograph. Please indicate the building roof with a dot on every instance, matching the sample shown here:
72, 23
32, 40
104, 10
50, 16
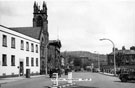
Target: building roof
33, 32
124, 52
55, 43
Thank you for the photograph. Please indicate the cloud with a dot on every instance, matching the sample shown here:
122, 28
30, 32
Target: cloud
113, 20
81, 23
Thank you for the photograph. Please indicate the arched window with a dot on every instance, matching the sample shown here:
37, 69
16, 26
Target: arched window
39, 21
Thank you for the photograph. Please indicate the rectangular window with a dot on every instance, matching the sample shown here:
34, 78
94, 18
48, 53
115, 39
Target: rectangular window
36, 48
12, 60
4, 60
27, 46
32, 47
22, 45
12, 42
27, 61
32, 61
4, 41
36, 61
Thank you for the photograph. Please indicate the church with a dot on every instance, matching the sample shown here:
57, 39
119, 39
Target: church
23, 48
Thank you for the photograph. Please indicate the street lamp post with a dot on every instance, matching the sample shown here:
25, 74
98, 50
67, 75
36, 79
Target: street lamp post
114, 53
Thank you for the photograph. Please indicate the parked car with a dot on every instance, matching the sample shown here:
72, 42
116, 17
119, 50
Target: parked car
126, 76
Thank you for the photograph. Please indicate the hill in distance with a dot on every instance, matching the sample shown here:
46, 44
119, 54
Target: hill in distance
90, 55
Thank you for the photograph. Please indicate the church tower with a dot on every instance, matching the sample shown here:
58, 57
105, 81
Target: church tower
40, 17
40, 20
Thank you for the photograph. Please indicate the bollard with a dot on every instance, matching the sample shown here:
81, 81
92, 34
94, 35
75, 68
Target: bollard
27, 73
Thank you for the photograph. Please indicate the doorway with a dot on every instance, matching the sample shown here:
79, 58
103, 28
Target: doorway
21, 71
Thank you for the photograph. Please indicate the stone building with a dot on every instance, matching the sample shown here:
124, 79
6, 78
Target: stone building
54, 59
124, 58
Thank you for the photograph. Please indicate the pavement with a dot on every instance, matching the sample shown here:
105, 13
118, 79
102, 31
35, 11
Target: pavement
12, 79
108, 74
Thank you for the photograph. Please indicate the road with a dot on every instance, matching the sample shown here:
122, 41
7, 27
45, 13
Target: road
98, 81
101, 81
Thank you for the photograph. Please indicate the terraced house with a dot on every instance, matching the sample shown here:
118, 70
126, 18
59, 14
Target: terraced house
125, 58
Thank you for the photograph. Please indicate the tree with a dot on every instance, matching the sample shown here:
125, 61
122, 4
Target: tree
123, 48
119, 58
77, 62
132, 48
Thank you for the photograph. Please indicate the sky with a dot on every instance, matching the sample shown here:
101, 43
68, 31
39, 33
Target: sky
79, 24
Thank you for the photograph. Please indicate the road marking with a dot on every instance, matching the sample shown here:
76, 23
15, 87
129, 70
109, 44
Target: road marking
69, 80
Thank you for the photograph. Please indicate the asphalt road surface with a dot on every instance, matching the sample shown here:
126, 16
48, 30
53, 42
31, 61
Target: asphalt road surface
98, 81
101, 81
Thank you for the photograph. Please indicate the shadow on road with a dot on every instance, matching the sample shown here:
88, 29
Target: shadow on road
125, 82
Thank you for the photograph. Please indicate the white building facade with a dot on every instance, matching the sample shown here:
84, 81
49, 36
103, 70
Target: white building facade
18, 52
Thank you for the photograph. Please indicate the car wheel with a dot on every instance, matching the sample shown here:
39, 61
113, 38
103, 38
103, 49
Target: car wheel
123, 80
